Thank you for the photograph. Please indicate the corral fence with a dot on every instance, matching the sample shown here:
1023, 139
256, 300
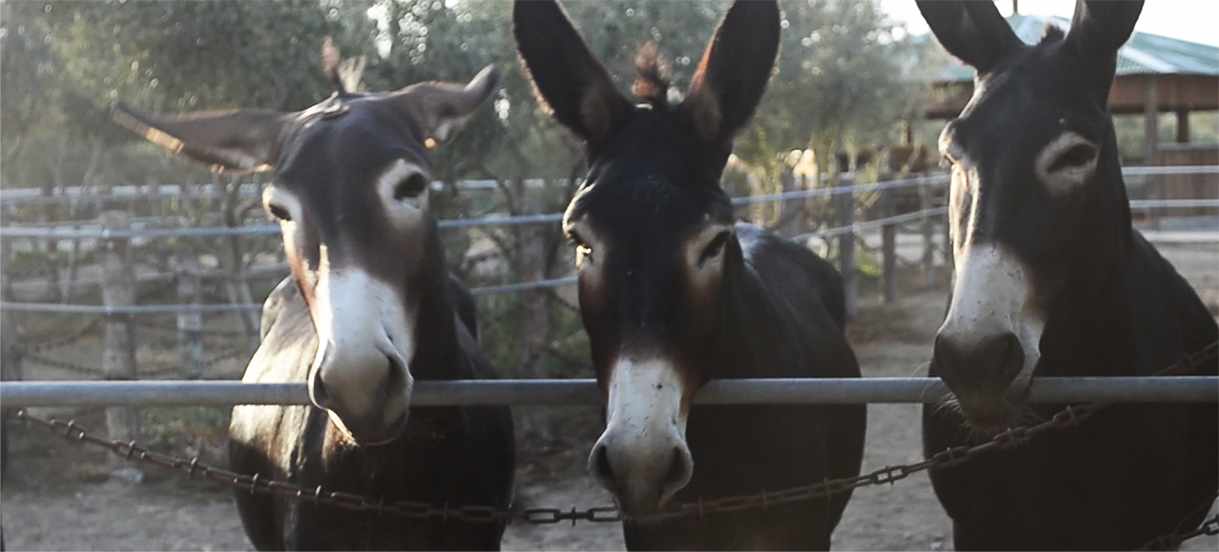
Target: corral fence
911, 205
902, 218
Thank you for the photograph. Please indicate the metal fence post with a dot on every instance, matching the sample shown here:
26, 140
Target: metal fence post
118, 288
888, 236
846, 244
190, 323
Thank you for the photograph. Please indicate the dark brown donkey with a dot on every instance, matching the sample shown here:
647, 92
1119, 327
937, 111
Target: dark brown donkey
674, 294
368, 308
1051, 280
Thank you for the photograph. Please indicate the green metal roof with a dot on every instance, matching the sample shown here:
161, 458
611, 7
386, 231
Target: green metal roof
1144, 53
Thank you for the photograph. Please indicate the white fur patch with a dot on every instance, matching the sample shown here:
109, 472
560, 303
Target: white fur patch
645, 422
361, 324
406, 213
991, 295
645, 397
1067, 179
283, 199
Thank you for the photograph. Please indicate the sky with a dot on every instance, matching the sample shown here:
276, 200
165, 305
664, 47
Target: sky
1192, 20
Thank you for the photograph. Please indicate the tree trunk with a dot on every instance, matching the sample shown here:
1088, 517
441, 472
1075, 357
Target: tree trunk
236, 285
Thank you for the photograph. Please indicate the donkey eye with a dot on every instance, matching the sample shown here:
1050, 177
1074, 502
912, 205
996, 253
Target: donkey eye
583, 251
714, 248
1079, 154
410, 187
584, 254
279, 212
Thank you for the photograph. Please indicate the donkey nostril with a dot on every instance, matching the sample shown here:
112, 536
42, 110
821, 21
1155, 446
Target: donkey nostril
601, 464
1012, 360
395, 376
677, 467
320, 396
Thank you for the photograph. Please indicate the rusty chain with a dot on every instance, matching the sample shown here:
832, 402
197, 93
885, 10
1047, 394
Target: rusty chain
1070, 416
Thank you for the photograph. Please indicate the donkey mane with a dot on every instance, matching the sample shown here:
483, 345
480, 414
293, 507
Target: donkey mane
652, 77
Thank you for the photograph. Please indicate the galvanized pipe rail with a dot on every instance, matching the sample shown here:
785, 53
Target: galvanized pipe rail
1176, 389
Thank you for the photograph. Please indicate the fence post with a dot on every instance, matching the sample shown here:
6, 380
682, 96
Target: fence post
846, 243
10, 370
190, 323
946, 250
118, 288
928, 227
888, 237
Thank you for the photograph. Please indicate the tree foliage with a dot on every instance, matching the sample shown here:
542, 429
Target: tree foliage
841, 79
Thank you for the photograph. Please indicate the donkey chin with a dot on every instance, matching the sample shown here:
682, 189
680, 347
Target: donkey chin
988, 413
374, 430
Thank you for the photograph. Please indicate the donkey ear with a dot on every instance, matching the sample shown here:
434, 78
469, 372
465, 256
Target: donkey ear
971, 30
1098, 30
230, 141
1102, 27
566, 77
442, 108
732, 75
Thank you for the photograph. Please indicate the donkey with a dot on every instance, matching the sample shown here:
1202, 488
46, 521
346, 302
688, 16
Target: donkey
369, 307
1050, 279
673, 294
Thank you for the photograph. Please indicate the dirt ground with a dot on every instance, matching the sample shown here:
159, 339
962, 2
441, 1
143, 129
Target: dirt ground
58, 496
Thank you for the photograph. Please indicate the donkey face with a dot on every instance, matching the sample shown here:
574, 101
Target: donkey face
652, 229
1036, 201
350, 192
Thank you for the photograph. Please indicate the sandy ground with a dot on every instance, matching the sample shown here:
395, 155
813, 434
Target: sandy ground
58, 496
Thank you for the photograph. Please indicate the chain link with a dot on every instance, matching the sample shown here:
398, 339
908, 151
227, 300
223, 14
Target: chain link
1069, 416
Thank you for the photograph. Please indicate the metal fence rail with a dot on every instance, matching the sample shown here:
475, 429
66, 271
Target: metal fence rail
130, 192
1178, 389
44, 232
105, 310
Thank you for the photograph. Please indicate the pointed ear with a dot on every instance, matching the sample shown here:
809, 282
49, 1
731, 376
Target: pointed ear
734, 70
566, 77
230, 141
971, 30
1098, 30
442, 108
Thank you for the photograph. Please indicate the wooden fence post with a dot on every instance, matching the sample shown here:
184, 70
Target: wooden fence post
946, 250
888, 237
190, 323
118, 288
846, 244
928, 227
10, 370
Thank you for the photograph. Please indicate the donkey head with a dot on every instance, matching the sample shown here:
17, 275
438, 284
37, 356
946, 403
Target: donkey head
350, 186
1037, 205
653, 230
